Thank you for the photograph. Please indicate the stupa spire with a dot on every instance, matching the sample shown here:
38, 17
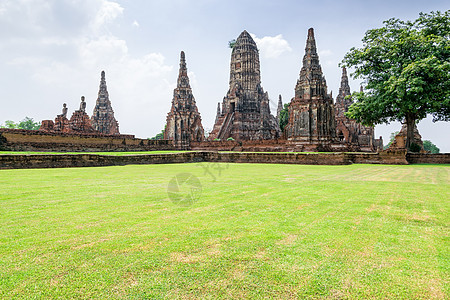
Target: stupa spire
183, 79
218, 112
311, 81
311, 112
344, 90
183, 122
103, 119
279, 108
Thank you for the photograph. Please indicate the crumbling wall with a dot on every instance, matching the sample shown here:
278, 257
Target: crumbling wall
428, 158
33, 140
21, 161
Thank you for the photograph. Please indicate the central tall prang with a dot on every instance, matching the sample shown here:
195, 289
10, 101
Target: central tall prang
245, 113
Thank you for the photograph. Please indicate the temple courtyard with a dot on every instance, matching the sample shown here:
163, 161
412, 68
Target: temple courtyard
209, 230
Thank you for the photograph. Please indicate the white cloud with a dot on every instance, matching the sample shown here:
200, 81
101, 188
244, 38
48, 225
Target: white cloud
103, 50
107, 12
4, 6
272, 46
135, 24
140, 86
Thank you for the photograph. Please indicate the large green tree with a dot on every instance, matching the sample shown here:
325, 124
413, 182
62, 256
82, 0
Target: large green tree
406, 69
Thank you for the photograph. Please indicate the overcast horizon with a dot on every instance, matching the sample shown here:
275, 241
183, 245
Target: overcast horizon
53, 51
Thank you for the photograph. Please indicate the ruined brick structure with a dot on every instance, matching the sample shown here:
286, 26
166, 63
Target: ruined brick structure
311, 111
399, 141
342, 101
38, 140
80, 121
61, 123
279, 109
348, 130
103, 119
243, 120
245, 113
184, 123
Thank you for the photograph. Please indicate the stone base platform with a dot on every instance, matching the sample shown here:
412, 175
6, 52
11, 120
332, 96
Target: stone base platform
24, 161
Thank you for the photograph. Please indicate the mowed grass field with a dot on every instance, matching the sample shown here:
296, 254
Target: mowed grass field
253, 231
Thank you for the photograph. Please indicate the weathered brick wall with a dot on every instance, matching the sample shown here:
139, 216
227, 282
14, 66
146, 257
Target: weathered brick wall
279, 145
384, 157
33, 140
280, 158
20, 161
420, 158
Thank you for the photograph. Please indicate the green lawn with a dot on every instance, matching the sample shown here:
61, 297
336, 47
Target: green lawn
274, 231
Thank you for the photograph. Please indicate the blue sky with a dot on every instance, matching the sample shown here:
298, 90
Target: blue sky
53, 51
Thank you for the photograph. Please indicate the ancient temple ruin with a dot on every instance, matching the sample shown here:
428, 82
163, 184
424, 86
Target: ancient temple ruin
315, 123
101, 122
399, 142
343, 99
103, 119
80, 121
349, 131
311, 111
245, 113
184, 123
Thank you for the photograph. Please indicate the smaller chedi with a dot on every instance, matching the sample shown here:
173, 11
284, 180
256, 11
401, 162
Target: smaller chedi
399, 142
279, 109
183, 123
311, 111
103, 119
349, 131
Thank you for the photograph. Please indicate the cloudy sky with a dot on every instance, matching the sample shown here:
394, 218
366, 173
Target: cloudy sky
52, 51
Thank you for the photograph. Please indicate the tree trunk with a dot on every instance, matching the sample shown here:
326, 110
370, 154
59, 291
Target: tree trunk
410, 123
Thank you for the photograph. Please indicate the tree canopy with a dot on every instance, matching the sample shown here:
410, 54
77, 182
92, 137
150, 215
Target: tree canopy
405, 66
430, 147
27, 123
